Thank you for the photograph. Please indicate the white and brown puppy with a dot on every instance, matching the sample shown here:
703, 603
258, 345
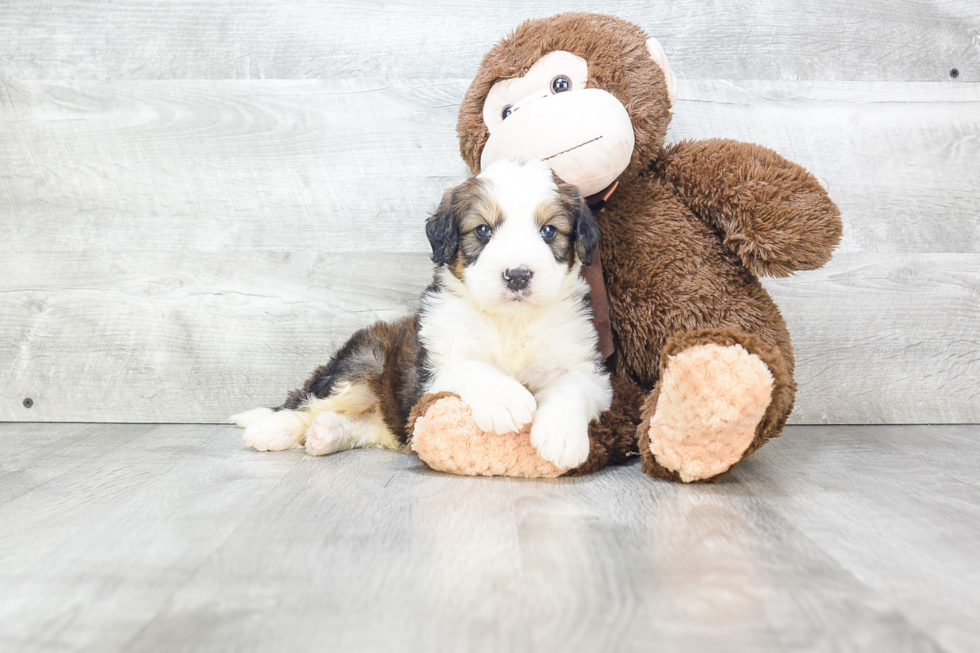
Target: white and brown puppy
506, 325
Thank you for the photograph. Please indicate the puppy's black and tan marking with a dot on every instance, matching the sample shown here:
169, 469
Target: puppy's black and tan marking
506, 325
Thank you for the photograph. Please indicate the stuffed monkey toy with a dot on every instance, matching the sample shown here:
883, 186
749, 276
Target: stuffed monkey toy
700, 356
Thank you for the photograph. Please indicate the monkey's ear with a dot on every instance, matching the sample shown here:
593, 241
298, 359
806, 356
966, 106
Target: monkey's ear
442, 229
658, 55
586, 233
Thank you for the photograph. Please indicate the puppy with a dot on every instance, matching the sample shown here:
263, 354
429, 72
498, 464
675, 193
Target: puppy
506, 325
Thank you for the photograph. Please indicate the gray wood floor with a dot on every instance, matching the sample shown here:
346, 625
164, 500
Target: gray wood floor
175, 537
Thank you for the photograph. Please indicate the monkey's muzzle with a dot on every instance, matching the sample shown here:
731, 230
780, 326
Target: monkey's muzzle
586, 136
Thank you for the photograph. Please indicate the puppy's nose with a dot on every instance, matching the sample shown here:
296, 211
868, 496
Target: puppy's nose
517, 278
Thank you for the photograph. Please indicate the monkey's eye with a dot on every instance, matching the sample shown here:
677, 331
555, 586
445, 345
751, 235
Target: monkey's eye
561, 84
506, 112
484, 231
548, 232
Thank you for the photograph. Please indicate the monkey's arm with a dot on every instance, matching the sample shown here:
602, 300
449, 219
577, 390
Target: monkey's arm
772, 212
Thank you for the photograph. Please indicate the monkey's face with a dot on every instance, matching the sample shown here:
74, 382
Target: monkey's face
589, 94
584, 134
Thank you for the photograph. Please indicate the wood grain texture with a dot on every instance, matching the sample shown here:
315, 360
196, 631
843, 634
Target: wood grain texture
356, 166
130, 527
901, 160
891, 505
34, 454
180, 250
203, 39
177, 538
885, 339
270, 165
184, 336
878, 339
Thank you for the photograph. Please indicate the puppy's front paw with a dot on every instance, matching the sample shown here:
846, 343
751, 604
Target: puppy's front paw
561, 437
502, 407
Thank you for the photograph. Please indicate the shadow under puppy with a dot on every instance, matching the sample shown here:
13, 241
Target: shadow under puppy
506, 325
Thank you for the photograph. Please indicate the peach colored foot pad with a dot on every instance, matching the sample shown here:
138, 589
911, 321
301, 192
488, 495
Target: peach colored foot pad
712, 398
446, 439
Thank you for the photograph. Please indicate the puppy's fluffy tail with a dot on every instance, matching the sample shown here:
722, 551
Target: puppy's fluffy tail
249, 417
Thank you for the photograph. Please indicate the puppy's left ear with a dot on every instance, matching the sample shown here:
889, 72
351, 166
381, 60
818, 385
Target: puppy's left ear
586, 233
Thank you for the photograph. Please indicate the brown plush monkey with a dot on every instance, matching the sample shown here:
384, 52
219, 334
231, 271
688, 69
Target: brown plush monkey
702, 367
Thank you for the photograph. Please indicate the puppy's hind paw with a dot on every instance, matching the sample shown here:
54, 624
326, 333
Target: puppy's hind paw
249, 417
327, 434
277, 432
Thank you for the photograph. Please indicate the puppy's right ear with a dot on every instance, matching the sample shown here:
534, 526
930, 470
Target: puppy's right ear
442, 229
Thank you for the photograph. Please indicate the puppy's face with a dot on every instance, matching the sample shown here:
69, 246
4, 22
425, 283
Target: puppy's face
513, 234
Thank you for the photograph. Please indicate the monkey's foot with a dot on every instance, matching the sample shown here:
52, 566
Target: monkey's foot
705, 412
447, 439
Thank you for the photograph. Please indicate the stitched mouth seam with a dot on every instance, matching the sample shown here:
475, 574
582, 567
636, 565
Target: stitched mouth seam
572, 148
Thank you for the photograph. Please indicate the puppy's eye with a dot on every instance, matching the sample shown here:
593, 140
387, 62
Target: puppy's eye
484, 231
506, 112
548, 232
561, 84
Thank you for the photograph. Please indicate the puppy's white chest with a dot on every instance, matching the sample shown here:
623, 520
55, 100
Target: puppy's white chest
517, 351
530, 348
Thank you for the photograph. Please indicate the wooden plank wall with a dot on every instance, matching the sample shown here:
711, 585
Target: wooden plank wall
200, 200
